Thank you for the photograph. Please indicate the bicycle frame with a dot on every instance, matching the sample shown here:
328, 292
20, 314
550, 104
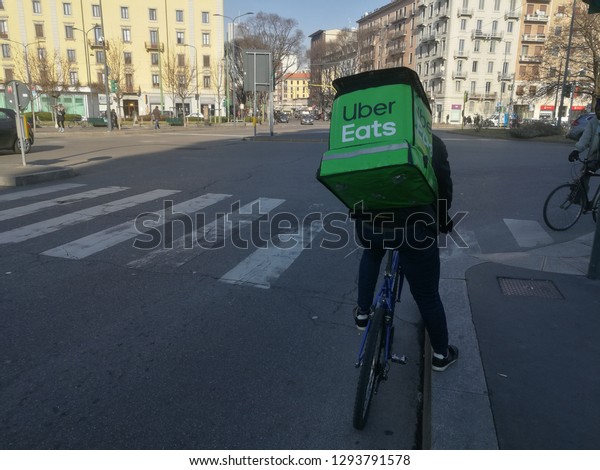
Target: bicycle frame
389, 294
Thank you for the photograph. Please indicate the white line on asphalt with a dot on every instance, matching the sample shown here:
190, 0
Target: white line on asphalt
70, 199
210, 235
265, 265
52, 225
528, 233
13, 196
86, 246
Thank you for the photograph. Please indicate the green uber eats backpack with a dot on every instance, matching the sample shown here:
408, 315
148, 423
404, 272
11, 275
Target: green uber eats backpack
380, 142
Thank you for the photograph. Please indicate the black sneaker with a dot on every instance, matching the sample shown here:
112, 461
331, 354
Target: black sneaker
440, 363
361, 317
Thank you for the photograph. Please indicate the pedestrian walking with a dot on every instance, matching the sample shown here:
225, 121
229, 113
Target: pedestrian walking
113, 119
156, 117
60, 117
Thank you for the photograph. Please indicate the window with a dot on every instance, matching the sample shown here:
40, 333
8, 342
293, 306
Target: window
152, 14
205, 17
206, 60
457, 85
496, 5
490, 67
99, 57
37, 6
482, 4
71, 57
180, 37
39, 30
127, 58
179, 16
129, 81
206, 81
124, 13
463, 25
474, 67
155, 81
494, 27
5, 51
126, 34
493, 46
96, 11
154, 37
473, 87
206, 39
180, 60
2, 8
73, 78
507, 48
476, 45
3, 27
154, 58
8, 75
41, 53
509, 27
100, 77
68, 31
67, 11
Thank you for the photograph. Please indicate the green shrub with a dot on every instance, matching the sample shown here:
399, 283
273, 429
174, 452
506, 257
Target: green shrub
42, 116
535, 129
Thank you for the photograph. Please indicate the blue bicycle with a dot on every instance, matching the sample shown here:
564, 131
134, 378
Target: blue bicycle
375, 351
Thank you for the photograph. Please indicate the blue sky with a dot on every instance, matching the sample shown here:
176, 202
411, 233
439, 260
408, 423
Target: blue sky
311, 15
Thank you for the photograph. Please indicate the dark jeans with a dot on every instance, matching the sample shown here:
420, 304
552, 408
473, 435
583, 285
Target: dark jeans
420, 260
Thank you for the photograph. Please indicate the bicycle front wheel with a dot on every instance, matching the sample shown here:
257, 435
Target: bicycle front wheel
564, 206
371, 369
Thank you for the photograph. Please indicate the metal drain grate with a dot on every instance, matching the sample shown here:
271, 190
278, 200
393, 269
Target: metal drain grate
529, 288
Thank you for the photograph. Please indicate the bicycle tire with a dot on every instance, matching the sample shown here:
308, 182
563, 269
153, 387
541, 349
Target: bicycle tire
596, 206
70, 124
561, 210
370, 369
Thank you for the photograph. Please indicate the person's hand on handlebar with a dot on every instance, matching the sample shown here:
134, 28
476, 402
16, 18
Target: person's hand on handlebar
573, 156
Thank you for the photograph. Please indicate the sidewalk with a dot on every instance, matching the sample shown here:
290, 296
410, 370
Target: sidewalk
527, 325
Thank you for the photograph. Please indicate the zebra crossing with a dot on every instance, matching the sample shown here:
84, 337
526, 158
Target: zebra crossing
206, 226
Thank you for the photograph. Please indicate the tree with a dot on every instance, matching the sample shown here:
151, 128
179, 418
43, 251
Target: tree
119, 71
584, 58
50, 72
178, 78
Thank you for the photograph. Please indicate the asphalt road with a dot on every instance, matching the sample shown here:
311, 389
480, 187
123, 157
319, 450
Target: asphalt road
217, 345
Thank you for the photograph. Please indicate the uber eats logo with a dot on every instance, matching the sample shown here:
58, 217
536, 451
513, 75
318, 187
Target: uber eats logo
379, 126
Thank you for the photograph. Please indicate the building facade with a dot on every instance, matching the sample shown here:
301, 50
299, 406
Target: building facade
473, 56
149, 49
292, 92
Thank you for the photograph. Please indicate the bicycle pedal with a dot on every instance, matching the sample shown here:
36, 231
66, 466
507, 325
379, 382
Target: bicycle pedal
399, 359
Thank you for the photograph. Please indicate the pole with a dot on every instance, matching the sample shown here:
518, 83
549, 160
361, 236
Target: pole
106, 90
233, 81
566, 72
594, 267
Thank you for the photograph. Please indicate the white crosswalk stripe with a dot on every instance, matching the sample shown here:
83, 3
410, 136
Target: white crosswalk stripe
14, 196
86, 246
57, 223
188, 246
70, 199
265, 265
528, 233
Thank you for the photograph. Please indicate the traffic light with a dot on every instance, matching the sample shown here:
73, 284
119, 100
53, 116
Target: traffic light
113, 86
567, 90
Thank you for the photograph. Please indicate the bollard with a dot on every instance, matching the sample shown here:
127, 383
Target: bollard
594, 267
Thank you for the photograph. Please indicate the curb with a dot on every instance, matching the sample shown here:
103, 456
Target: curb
33, 174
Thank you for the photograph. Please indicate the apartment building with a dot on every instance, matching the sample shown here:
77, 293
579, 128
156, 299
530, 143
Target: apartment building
141, 44
473, 56
292, 92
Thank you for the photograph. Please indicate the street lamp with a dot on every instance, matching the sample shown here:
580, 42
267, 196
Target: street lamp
87, 52
107, 92
25, 46
233, 20
196, 67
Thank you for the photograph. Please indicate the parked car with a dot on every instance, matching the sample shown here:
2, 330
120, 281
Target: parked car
283, 118
307, 119
9, 139
195, 116
578, 126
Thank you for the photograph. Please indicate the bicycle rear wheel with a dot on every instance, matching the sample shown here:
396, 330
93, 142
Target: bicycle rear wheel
564, 206
371, 368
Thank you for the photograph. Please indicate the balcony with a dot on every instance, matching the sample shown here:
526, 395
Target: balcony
438, 74
443, 13
459, 75
480, 34
461, 54
397, 35
465, 12
530, 59
397, 50
538, 17
512, 15
534, 38
96, 44
505, 77
154, 46
483, 96
421, 4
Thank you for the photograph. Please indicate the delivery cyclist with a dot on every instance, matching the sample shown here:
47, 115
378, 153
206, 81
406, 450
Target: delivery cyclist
413, 232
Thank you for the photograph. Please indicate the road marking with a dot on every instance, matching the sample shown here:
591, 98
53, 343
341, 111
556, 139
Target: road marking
265, 265
86, 246
70, 199
52, 225
38, 191
528, 233
211, 235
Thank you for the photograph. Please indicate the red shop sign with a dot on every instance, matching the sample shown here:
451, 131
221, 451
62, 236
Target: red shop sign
547, 108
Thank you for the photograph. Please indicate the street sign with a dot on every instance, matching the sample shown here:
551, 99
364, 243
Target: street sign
18, 95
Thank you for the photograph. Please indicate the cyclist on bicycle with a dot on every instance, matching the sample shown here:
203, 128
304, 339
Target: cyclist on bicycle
413, 232
590, 140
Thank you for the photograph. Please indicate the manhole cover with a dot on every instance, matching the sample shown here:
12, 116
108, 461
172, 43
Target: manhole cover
529, 288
